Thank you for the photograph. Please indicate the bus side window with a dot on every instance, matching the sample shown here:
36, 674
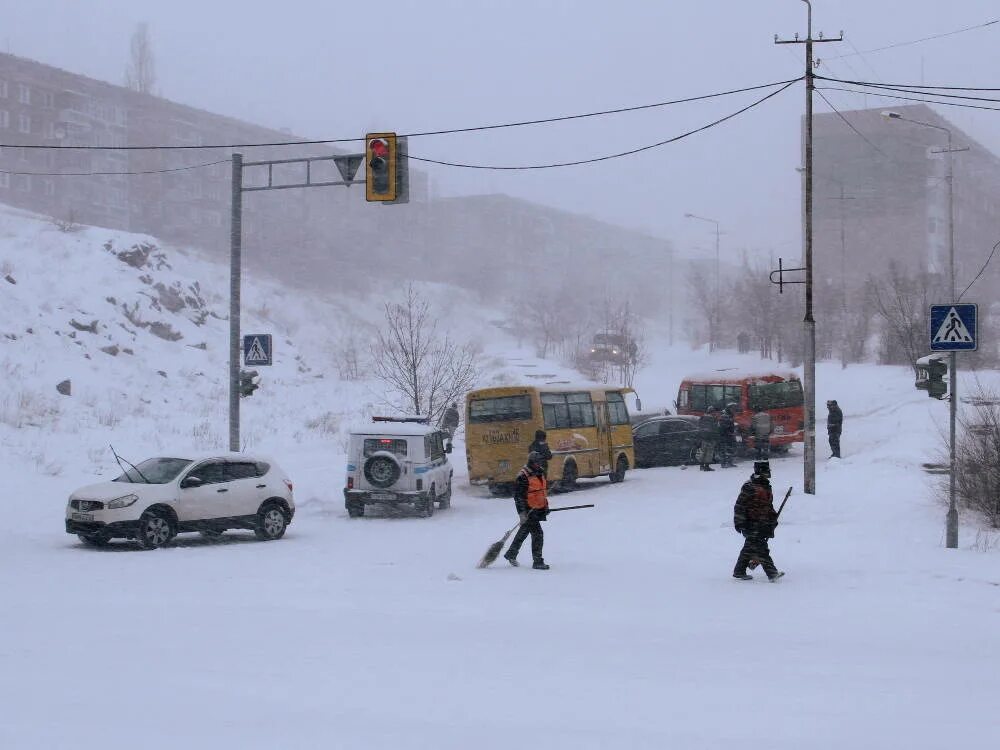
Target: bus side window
699, 397
682, 400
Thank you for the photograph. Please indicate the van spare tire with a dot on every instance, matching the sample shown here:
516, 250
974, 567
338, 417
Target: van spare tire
382, 470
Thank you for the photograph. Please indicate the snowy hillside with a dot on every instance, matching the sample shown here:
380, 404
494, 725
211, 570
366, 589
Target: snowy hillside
380, 632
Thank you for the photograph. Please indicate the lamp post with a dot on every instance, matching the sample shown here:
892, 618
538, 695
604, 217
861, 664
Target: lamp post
951, 530
715, 307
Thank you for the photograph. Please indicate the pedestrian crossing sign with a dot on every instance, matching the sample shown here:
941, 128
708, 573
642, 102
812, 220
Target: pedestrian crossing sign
953, 327
257, 349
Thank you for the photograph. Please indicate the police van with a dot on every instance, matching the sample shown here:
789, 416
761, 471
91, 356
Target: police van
398, 461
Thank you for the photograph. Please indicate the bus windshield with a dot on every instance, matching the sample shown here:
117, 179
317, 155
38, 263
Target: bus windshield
781, 395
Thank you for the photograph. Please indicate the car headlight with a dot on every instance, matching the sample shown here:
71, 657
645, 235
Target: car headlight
122, 502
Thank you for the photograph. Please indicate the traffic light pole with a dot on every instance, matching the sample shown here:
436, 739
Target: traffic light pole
347, 165
808, 322
235, 273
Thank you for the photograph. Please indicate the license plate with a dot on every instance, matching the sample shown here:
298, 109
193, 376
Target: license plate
779, 430
82, 516
382, 496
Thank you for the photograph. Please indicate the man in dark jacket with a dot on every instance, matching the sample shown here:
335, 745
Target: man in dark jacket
542, 449
834, 424
727, 437
449, 422
755, 518
709, 427
532, 504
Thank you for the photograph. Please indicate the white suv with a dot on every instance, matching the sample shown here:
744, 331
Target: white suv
398, 461
160, 497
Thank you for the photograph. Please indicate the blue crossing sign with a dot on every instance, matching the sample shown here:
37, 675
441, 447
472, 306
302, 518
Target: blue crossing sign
257, 349
954, 327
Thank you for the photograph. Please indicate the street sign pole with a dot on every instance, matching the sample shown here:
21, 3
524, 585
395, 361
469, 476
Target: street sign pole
954, 328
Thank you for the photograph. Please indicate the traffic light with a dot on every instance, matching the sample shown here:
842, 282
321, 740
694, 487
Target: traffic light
382, 164
936, 387
248, 382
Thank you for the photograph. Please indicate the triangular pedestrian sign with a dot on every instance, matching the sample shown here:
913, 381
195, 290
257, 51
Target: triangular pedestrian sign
256, 351
952, 330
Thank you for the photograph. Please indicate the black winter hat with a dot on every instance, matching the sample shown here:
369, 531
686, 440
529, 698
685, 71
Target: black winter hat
762, 469
539, 434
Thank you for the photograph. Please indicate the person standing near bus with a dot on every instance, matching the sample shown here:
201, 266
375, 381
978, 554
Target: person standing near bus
760, 427
541, 447
532, 504
755, 518
449, 422
834, 424
727, 436
709, 427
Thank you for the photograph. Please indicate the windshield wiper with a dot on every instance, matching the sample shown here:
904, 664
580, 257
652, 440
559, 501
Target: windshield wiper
119, 459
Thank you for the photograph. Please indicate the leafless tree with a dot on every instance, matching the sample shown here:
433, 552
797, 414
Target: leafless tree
140, 73
901, 302
977, 456
348, 357
423, 369
702, 298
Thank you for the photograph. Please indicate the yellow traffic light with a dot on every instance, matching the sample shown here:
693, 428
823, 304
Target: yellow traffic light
381, 165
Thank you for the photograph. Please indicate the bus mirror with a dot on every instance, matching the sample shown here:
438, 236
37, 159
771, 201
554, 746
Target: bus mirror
638, 404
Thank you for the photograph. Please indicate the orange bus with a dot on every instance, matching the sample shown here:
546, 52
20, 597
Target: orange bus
777, 393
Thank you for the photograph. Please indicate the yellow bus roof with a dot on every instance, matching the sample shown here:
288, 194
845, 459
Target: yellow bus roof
508, 390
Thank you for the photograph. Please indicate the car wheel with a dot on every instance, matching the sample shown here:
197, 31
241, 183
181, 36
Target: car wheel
271, 522
94, 540
426, 504
694, 455
618, 475
568, 482
355, 509
156, 528
445, 500
381, 471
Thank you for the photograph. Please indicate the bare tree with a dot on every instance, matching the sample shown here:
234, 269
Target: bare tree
140, 73
977, 455
901, 302
423, 368
701, 297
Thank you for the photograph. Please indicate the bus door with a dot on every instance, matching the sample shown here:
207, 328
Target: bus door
604, 437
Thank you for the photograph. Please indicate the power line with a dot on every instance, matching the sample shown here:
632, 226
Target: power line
111, 174
851, 125
908, 98
981, 270
908, 85
616, 155
326, 141
922, 39
916, 90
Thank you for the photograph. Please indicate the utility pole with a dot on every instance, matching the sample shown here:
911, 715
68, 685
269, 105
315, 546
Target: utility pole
235, 273
809, 324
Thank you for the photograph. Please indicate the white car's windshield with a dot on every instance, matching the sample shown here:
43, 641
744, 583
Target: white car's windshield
154, 471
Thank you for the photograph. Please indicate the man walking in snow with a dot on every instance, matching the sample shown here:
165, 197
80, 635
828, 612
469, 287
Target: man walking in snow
834, 424
755, 518
449, 422
532, 504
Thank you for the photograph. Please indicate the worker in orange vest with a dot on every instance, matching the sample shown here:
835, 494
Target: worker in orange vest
532, 504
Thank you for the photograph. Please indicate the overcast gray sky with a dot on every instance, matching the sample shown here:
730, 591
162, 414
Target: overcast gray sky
332, 68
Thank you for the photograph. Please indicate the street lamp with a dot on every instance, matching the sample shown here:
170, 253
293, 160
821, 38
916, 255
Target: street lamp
715, 307
951, 533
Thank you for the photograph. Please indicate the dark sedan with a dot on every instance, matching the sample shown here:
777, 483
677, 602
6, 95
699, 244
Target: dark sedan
666, 440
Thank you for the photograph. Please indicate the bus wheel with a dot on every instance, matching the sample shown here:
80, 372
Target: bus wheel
568, 482
501, 490
618, 475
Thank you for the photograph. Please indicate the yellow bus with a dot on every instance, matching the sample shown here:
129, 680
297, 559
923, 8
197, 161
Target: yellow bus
587, 427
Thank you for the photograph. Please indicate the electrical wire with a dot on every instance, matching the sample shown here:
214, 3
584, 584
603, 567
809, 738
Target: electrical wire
908, 85
981, 270
615, 155
908, 98
326, 141
851, 125
112, 174
917, 91
922, 39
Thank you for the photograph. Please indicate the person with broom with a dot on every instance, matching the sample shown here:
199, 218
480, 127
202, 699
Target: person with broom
532, 504
755, 518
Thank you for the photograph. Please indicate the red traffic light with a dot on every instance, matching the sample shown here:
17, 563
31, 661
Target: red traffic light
379, 147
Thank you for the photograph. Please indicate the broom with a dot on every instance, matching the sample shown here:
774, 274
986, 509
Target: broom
494, 551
